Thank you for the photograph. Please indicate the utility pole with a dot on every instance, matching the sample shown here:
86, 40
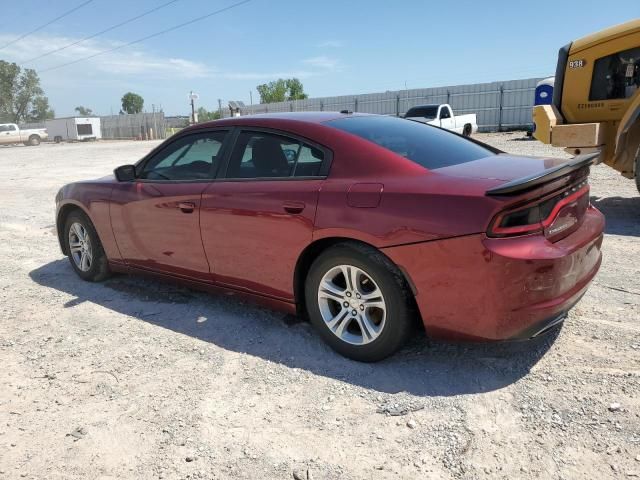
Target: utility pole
251, 97
193, 97
220, 107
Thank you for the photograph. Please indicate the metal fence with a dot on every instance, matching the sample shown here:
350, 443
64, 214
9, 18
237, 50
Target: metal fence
499, 105
142, 126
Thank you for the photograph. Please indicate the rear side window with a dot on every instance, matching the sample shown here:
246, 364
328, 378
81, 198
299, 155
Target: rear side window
423, 144
429, 111
266, 155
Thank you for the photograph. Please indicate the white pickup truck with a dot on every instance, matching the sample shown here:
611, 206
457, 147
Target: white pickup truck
10, 133
442, 116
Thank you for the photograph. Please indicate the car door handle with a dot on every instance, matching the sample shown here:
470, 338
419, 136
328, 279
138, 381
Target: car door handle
293, 207
187, 207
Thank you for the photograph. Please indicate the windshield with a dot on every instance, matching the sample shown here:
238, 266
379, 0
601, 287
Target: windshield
428, 111
423, 144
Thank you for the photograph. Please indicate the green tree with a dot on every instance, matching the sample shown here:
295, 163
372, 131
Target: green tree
40, 110
205, 116
281, 90
295, 89
272, 92
84, 111
21, 97
132, 103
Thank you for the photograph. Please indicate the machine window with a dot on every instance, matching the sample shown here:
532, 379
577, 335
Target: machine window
616, 76
444, 113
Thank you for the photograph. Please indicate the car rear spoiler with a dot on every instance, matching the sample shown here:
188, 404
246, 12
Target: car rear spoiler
521, 185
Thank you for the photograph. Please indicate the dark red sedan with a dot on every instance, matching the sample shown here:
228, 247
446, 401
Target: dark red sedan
363, 223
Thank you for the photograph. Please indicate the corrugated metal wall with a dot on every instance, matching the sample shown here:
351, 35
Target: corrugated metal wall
144, 126
499, 105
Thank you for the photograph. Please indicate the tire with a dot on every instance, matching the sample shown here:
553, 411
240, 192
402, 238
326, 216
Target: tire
637, 169
466, 131
97, 268
57, 139
388, 328
34, 140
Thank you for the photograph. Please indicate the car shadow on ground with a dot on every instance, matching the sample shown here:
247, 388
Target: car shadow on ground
424, 368
622, 214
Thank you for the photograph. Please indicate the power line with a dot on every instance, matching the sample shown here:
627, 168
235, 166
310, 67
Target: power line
162, 32
68, 12
100, 32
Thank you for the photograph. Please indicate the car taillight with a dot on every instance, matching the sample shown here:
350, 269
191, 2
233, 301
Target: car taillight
553, 215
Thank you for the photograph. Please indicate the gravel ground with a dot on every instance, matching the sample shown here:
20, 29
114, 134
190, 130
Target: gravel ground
134, 378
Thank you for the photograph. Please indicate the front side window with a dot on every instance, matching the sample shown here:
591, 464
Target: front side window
444, 113
266, 155
7, 128
616, 76
423, 144
193, 157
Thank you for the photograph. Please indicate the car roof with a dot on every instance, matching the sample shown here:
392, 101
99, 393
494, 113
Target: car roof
268, 118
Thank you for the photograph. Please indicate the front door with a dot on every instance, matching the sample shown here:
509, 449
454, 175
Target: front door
156, 218
257, 220
9, 134
446, 119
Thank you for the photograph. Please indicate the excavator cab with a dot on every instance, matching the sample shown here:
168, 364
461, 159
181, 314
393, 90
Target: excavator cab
596, 99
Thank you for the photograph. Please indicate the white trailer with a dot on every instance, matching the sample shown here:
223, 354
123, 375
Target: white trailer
74, 129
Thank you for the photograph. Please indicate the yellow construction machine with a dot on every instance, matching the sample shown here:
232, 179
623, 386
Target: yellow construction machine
596, 99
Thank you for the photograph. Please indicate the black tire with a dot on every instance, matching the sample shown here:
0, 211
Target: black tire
397, 297
99, 267
57, 139
34, 140
466, 131
637, 174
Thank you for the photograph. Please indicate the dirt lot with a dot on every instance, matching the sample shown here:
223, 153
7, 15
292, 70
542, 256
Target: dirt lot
133, 378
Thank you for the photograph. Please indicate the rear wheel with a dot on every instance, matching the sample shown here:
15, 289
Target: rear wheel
34, 140
358, 302
84, 249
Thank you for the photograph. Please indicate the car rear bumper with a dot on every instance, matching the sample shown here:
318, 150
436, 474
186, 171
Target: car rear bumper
480, 288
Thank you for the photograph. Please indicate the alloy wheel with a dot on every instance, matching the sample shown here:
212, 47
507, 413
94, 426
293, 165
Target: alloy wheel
80, 246
352, 305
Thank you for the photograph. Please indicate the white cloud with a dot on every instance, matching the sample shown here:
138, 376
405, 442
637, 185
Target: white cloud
330, 44
133, 61
323, 62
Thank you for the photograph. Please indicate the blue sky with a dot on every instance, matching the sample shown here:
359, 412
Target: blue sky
334, 47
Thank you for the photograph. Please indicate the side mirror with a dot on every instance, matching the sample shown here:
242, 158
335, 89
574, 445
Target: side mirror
125, 173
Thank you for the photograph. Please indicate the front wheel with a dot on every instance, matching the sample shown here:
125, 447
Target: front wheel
34, 140
358, 302
84, 249
637, 175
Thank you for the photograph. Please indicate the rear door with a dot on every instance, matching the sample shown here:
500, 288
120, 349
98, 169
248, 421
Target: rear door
259, 217
156, 218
